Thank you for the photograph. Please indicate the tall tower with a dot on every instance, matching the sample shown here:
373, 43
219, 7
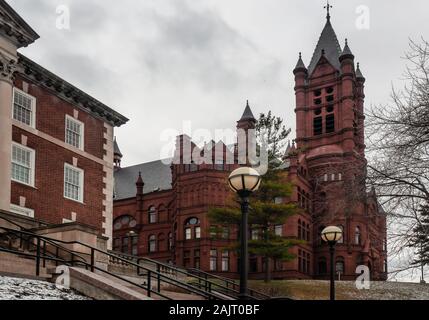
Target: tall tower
330, 153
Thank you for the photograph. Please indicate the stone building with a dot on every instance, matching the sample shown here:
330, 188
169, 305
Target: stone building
56, 141
160, 208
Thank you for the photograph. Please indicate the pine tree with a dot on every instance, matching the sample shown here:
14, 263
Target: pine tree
265, 211
420, 238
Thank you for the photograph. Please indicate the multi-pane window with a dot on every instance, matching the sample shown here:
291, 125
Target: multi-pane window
73, 183
188, 233
197, 258
213, 260
24, 107
317, 126
22, 164
303, 261
152, 243
197, 232
330, 123
225, 261
74, 132
152, 215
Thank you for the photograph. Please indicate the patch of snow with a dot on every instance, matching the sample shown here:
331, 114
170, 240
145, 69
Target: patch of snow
24, 289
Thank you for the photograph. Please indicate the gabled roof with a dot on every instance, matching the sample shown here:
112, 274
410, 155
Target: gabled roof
14, 28
328, 43
156, 176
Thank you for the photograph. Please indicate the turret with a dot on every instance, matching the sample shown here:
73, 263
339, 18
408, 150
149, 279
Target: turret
139, 199
246, 136
117, 155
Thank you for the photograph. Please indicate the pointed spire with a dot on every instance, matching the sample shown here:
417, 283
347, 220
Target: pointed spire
300, 66
359, 74
328, 42
347, 53
116, 150
247, 114
140, 180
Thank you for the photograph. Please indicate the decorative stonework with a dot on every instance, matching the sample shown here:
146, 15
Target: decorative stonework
7, 68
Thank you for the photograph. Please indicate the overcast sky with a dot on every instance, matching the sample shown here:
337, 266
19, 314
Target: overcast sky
160, 62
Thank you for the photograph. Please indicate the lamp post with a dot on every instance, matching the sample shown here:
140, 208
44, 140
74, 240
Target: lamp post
244, 181
332, 235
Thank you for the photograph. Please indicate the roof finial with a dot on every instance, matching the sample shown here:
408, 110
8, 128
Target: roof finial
300, 55
323, 52
327, 7
247, 103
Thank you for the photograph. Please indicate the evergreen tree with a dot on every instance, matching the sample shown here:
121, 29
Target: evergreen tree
420, 238
266, 212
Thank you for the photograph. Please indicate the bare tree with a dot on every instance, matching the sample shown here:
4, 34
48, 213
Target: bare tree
399, 158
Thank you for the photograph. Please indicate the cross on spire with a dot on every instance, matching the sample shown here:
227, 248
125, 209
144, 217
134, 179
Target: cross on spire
328, 7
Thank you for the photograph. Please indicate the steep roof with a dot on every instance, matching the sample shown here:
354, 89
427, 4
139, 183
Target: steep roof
116, 149
329, 43
156, 176
14, 28
247, 114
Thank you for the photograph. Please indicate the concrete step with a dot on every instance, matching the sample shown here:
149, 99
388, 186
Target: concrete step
14, 264
100, 287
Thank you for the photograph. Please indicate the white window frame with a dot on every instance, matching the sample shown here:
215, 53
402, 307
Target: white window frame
32, 164
81, 182
33, 107
82, 132
27, 212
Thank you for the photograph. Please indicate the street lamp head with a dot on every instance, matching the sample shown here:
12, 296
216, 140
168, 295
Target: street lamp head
244, 180
332, 234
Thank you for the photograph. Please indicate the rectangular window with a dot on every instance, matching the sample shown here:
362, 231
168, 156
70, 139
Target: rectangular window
197, 232
134, 245
22, 211
279, 230
73, 183
225, 261
24, 107
317, 126
197, 258
255, 234
23, 164
117, 244
188, 234
330, 123
74, 132
213, 260
125, 242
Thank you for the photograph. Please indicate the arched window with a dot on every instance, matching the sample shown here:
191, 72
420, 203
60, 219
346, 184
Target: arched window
124, 222
152, 215
192, 228
152, 243
342, 238
357, 236
126, 239
322, 268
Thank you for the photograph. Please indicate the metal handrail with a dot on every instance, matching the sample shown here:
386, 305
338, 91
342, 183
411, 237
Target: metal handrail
208, 284
150, 273
229, 281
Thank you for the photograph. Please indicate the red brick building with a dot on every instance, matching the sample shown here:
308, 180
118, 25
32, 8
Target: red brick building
56, 142
162, 213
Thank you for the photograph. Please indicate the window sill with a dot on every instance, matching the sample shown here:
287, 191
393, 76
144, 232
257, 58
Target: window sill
25, 184
77, 201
